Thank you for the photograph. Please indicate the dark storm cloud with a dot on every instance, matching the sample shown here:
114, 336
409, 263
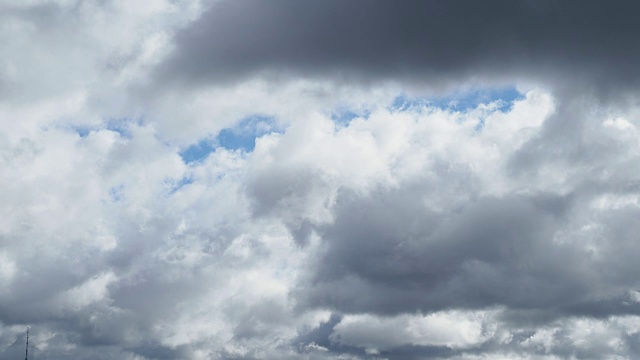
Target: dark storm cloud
412, 40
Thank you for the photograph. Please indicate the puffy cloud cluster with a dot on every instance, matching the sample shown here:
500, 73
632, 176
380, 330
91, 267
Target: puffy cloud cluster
392, 204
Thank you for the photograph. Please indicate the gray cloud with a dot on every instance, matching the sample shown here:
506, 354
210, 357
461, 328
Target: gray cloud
553, 248
493, 252
587, 42
404, 233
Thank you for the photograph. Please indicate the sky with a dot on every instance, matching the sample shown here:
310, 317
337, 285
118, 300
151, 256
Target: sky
319, 180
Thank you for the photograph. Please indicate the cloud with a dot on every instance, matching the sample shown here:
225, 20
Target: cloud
331, 180
439, 42
435, 223
438, 329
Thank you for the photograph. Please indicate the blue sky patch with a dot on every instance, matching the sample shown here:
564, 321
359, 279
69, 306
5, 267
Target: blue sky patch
122, 126
116, 193
177, 185
82, 131
198, 152
463, 100
344, 117
240, 137
243, 136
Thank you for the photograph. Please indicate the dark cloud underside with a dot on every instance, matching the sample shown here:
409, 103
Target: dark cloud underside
412, 40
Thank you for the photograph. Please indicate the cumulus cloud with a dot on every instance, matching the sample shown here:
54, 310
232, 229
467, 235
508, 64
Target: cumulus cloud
453, 330
319, 180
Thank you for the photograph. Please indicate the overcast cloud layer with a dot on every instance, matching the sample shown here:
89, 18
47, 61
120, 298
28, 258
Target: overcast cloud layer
185, 179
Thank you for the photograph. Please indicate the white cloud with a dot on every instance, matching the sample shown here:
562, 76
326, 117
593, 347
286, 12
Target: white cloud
453, 329
112, 247
203, 254
89, 292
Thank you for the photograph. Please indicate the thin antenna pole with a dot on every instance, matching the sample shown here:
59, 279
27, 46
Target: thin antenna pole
26, 351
